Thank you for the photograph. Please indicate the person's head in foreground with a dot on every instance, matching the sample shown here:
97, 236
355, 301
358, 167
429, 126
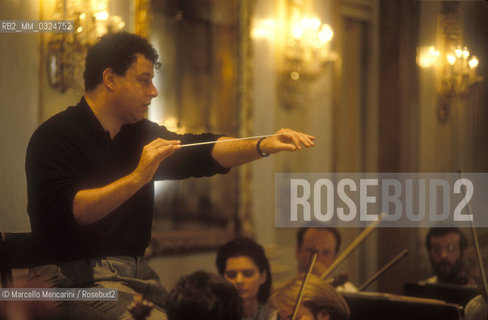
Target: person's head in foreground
243, 263
203, 296
320, 300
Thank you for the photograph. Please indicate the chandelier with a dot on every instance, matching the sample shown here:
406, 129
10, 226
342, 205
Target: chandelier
66, 52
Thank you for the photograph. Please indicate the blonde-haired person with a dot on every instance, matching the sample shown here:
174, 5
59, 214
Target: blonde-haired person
320, 300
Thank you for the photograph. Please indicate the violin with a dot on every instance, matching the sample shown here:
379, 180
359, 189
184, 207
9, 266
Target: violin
341, 279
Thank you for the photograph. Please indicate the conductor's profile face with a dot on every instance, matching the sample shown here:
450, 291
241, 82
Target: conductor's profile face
134, 90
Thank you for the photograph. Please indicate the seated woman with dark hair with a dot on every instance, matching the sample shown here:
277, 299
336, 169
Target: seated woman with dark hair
320, 301
243, 263
203, 295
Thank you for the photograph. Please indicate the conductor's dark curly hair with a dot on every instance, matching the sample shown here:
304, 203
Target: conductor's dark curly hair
116, 51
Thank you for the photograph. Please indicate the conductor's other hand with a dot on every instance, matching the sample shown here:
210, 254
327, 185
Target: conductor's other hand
152, 155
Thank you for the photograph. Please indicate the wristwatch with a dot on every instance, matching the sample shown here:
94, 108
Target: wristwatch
258, 148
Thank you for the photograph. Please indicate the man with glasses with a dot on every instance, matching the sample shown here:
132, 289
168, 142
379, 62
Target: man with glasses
446, 248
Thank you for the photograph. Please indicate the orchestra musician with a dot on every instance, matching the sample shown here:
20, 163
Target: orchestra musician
203, 295
327, 241
370, 305
446, 247
320, 301
90, 172
477, 308
243, 263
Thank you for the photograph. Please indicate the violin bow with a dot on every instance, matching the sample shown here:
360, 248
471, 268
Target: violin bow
386, 267
476, 243
313, 258
363, 235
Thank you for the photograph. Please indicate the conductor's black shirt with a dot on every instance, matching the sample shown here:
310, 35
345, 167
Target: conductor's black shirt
71, 152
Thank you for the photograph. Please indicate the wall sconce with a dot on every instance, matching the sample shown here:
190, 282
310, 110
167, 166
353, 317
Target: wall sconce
455, 65
307, 47
66, 51
306, 50
456, 73
459, 73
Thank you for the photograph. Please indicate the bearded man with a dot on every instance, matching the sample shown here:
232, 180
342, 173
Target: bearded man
446, 248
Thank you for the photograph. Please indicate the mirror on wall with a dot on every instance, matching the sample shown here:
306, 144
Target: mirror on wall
198, 44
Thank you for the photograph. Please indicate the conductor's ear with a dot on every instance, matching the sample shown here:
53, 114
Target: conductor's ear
109, 78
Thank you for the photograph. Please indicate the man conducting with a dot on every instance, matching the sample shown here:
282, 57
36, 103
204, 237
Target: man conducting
90, 172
